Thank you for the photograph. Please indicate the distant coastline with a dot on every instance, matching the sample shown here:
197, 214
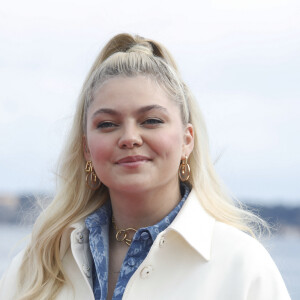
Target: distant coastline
24, 209
284, 220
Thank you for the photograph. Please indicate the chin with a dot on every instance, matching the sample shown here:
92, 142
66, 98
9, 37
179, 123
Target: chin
131, 187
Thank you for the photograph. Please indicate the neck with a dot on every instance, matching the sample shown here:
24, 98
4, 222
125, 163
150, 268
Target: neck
145, 208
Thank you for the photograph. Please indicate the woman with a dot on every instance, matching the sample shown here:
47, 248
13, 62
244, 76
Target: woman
140, 212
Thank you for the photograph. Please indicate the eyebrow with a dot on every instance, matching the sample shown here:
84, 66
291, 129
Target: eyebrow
140, 110
151, 107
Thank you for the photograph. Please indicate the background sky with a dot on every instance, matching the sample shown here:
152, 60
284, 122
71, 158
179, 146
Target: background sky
240, 58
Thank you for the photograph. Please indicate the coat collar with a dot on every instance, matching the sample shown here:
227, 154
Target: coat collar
66, 237
195, 225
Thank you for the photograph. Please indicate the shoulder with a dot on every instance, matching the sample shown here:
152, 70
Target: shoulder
236, 242
231, 236
9, 279
238, 246
246, 257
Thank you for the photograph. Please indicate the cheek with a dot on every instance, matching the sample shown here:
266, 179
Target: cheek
100, 148
169, 145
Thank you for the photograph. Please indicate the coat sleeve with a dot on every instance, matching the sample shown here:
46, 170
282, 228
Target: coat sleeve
8, 280
266, 281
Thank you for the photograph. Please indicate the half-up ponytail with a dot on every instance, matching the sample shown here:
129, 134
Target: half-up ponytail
124, 42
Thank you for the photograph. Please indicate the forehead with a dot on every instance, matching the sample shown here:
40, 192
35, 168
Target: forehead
131, 92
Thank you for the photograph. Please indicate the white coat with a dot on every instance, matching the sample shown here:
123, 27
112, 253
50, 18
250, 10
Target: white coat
196, 257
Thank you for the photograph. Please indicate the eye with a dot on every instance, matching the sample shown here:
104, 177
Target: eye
153, 121
106, 124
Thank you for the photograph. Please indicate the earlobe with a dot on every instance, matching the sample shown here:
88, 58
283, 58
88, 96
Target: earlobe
86, 151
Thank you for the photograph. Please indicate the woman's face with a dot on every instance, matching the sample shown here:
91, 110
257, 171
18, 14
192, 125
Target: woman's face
135, 137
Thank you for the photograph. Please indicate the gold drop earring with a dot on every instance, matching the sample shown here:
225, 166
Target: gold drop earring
184, 170
91, 179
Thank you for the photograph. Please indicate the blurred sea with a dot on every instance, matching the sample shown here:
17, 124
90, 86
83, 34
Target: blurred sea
285, 251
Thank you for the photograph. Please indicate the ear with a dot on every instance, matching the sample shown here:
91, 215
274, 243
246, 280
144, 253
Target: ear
188, 141
86, 150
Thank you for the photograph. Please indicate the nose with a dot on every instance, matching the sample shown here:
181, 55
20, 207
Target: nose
130, 138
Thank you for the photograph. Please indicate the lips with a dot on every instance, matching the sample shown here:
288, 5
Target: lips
133, 159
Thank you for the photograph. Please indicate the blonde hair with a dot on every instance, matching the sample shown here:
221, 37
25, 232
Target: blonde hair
123, 55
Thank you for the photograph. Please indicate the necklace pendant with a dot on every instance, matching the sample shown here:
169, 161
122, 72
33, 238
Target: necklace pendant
122, 234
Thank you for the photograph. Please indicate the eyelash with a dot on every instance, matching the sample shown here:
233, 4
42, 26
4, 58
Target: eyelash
153, 121
108, 125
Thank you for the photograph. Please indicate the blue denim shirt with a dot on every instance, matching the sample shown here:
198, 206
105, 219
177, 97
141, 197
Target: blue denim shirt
98, 224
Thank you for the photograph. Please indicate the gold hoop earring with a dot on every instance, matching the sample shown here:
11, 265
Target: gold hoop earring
91, 179
184, 170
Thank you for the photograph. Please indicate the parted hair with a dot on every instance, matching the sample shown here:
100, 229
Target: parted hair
41, 275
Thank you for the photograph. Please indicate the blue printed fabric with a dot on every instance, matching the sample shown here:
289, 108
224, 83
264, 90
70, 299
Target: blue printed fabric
98, 224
